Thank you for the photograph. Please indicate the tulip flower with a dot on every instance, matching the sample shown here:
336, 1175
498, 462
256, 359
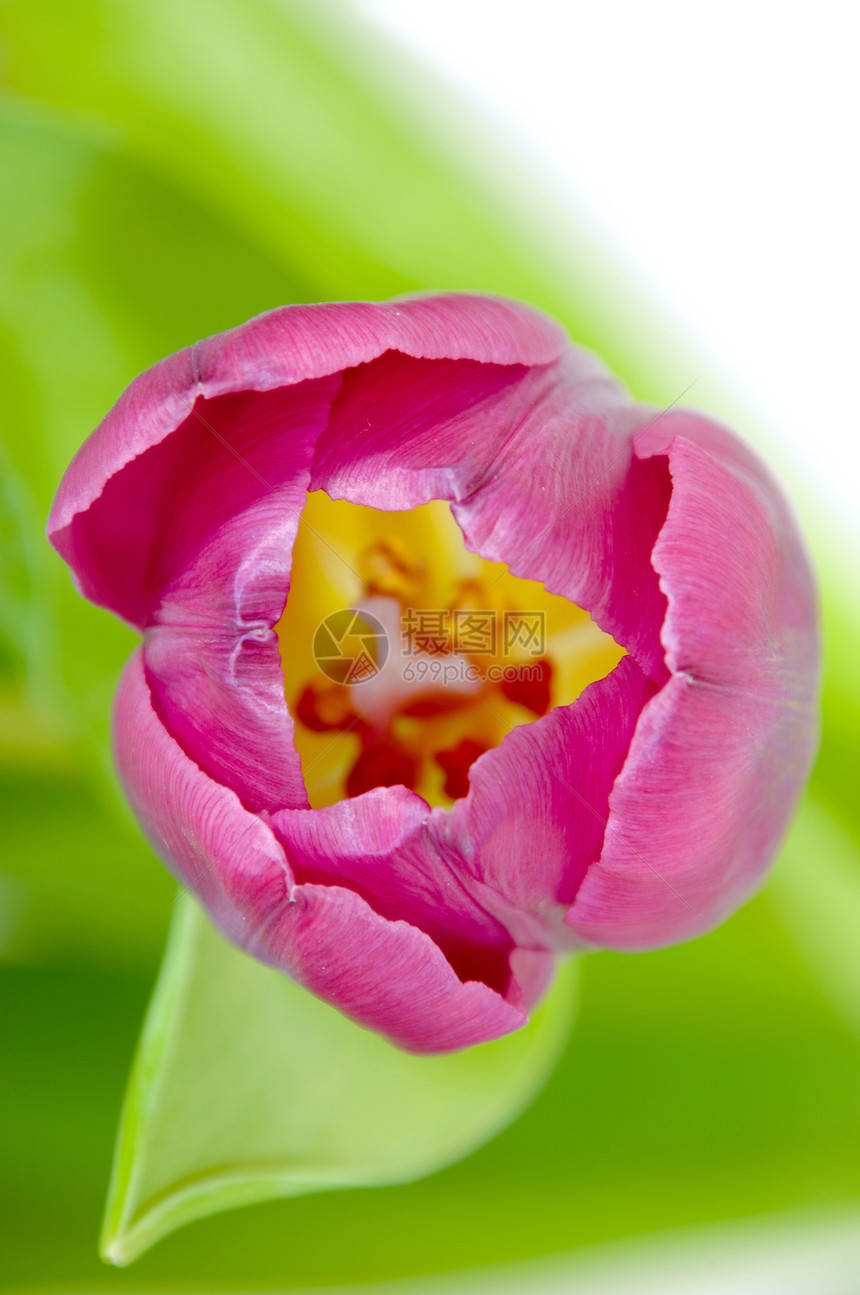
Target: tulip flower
454, 657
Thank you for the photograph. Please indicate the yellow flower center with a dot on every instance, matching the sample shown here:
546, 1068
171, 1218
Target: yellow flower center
406, 656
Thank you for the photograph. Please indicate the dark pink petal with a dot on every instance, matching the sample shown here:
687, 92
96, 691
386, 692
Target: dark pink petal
220, 558
387, 975
383, 846
533, 822
378, 845
181, 511
292, 345
500, 869
221, 695
214, 845
569, 504
720, 755
742, 602
198, 530
540, 468
205, 533
404, 431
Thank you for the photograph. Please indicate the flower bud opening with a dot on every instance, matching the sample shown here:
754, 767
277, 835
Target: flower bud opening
406, 657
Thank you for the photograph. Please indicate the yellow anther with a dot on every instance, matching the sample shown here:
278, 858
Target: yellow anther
457, 611
388, 567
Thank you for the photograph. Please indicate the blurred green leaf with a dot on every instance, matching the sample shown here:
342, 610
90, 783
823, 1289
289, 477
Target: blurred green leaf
83, 882
816, 887
265, 111
835, 777
16, 577
246, 1087
333, 155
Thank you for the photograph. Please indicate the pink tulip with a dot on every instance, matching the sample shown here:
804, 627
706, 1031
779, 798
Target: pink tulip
637, 815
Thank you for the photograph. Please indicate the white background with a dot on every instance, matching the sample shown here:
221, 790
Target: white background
714, 145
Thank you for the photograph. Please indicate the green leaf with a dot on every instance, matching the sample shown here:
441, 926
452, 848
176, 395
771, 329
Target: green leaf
246, 1087
72, 861
816, 887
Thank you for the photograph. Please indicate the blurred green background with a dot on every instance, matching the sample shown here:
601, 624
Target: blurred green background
168, 170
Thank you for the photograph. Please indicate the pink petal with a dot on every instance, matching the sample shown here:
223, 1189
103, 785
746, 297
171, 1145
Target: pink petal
568, 504
278, 350
498, 871
198, 530
386, 975
180, 512
533, 822
720, 755
539, 465
220, 558
204, 534
404, 431
378, 846
220, 694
